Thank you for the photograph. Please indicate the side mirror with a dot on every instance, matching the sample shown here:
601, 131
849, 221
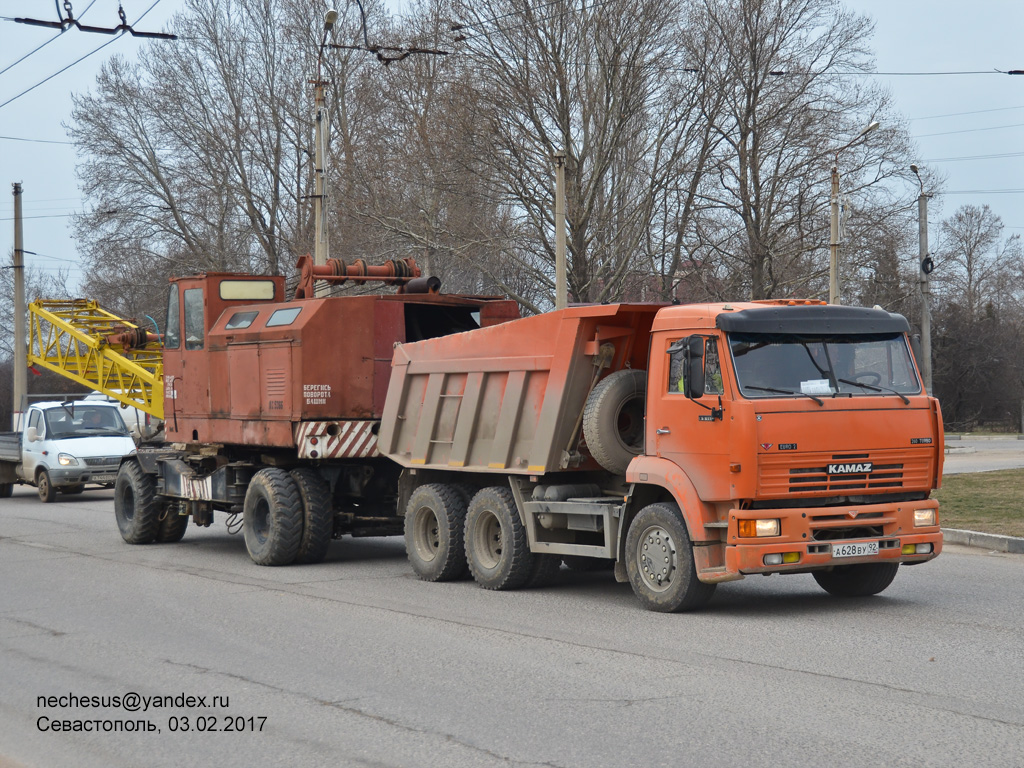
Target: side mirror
692, 348
32, 434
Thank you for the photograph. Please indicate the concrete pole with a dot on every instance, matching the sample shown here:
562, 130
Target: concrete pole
926, 291
833, 246
321, 243
20, 342
561, 279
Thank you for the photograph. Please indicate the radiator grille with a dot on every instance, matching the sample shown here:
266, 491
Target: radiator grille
103, 461
808, 474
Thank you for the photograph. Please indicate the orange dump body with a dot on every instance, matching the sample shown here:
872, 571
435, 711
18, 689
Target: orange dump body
507, 398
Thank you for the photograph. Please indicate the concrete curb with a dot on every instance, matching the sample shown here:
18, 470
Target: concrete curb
990, 541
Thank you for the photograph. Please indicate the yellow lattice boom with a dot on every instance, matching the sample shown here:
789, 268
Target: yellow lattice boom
80, 340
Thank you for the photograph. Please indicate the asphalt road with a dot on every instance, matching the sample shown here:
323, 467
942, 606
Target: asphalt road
356, 663
983, 454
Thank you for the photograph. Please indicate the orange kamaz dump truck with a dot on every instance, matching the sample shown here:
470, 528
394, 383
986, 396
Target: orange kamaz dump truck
682, 445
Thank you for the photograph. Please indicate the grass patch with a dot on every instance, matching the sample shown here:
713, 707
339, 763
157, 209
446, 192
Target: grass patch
990, 502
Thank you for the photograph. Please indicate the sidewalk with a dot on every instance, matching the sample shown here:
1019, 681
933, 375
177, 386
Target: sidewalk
991, 541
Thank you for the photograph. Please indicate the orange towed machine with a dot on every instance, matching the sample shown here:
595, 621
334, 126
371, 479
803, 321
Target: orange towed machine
272, 407
682, 445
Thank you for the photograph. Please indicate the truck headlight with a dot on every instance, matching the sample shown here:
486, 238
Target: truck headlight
67, 460
750, 529
923, 517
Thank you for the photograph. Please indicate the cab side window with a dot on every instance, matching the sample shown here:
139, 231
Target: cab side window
194, 330
35, 421
712, 370
172, 339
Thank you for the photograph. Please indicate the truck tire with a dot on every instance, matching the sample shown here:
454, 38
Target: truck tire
6, 490
659, 561
172, 528
857, 580
435, 520
47, 493
317, 515
136, 505
496, 546
613, 420
272, 518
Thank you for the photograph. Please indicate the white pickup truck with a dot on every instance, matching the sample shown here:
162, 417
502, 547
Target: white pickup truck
65, 447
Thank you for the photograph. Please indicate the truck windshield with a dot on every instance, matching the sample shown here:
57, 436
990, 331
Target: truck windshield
776, 365
84, 421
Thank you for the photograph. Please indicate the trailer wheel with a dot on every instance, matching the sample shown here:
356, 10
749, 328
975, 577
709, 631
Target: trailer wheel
172, 528
435, 519
857, 580
272, 518
6, 490
496, 546
135, 504
44, 487
317, 515
659, 561
613, 420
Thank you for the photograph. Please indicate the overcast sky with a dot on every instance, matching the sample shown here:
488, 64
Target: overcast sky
968, 126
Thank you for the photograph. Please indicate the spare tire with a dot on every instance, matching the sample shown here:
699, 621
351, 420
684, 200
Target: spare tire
613, 421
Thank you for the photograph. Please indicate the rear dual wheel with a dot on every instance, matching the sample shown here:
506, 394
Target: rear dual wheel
272, 518
435, 519
497, 550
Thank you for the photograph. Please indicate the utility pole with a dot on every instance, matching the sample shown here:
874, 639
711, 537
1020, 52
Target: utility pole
20, 343
321, 244
924, 283
833, 245
561, 280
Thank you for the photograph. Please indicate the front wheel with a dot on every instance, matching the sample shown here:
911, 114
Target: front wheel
47, 493
659, 561
857, 580
272, 518
136, 506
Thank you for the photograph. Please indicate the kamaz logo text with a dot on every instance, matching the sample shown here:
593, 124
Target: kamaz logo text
850, 469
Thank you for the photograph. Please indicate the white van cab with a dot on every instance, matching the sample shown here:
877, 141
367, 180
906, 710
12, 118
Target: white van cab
66, 446
139, 423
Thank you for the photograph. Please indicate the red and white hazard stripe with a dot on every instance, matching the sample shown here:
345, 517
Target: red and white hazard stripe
336, 439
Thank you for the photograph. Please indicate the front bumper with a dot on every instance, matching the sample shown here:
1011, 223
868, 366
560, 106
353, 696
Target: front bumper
810, 533
62, 477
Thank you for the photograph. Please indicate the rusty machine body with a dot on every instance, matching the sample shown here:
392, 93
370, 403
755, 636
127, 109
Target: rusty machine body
272, 406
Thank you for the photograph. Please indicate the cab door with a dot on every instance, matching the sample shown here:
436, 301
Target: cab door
693, 433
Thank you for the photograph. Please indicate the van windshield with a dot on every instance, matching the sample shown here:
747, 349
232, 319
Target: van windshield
774, 365
77, 420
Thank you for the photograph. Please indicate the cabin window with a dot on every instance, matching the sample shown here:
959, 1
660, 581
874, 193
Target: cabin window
240, 320
194, 331
247, 290
283, 317
172, 338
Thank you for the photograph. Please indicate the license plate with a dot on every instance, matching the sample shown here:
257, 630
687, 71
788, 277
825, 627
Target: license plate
111, 478
855, 549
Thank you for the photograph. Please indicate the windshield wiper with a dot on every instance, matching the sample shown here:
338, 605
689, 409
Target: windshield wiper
873, 388
818, 400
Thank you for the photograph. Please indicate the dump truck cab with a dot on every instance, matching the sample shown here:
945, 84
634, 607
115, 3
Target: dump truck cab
814, 409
